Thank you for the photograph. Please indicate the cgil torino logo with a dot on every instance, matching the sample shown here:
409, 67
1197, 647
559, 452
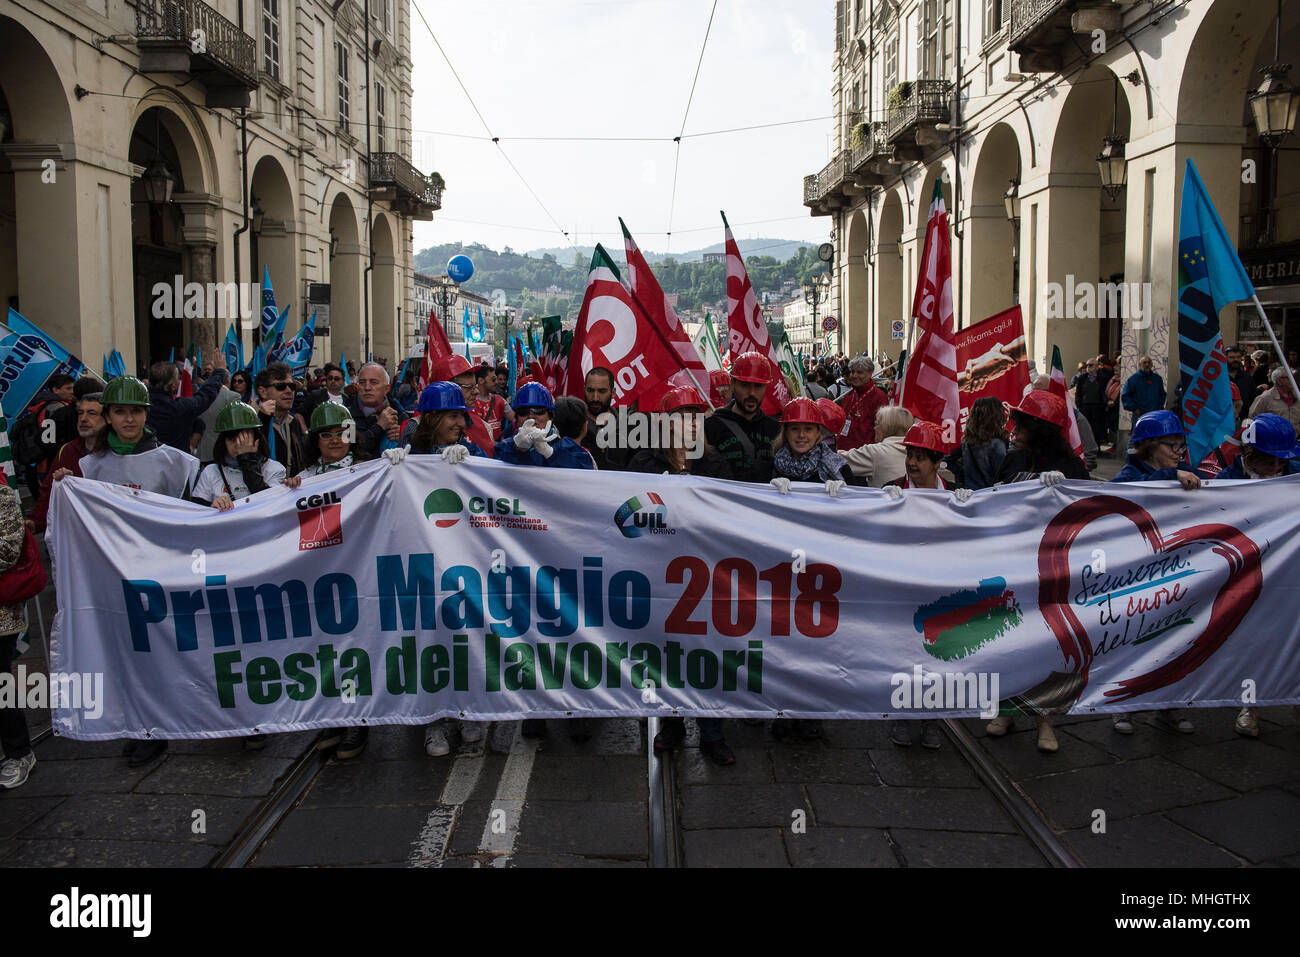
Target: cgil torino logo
320, 521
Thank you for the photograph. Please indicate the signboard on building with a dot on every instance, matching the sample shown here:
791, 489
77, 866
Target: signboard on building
1272, 265
318, 301
897, 329
830, 324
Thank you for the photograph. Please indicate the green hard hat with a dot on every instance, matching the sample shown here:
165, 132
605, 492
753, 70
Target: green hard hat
327, 415
126, 390
238, 416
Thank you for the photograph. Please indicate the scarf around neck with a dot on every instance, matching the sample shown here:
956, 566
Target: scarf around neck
818, 463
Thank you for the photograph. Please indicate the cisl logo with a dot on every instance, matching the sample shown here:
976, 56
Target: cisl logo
644, 514
443, 501
320, 521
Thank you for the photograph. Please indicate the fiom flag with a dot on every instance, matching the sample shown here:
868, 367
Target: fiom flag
1210, 276
930, 380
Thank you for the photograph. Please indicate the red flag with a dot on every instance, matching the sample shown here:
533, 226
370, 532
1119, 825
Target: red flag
186, 387
649, 294
436, 347
614, 332
748, 331
930, 380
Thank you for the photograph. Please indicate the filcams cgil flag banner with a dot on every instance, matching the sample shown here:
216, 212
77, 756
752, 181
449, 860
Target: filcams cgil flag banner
395, 594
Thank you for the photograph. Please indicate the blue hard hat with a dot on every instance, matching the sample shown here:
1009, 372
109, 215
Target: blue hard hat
441, 397
534, 395
1153, 425
1271, 434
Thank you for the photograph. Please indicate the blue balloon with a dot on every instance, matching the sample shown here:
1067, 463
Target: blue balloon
460, 268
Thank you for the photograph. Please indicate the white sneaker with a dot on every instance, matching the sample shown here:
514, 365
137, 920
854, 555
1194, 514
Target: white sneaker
14, 771
1246, 724
471, 732
1122, 724
1000, 726
435, 741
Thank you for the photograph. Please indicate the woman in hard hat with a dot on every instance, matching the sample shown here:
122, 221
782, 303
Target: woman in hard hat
1268, 450
128, 453
687, 433
925, 447
1041, 448
834, 420
799, 455
241, 463
537, 442
1159, 454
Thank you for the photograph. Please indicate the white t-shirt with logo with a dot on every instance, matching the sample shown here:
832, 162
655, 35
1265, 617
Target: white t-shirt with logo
164, 470
211, 485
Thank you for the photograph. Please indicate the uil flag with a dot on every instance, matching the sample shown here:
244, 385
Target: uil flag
269, 313
930, 380
1210, 276
745, 319
614, 332
296, 352
1058, 388
232, 350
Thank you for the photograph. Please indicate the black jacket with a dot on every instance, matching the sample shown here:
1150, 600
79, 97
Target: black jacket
1019, 465
760, 432
709, 465
293, 458
370, 437
172, 419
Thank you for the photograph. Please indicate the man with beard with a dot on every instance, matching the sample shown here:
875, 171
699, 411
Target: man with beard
741, 433
490, 407
599, 389
1238, 376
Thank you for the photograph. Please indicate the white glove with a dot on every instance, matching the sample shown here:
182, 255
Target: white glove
781, 484
833, 487
893, 491
524, 437
455, 454
395, 456
997, 484
1051, 478
963, 494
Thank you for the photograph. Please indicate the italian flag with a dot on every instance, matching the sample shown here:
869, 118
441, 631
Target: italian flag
1059, 388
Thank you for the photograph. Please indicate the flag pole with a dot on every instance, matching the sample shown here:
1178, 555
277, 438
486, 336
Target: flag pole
1295, 391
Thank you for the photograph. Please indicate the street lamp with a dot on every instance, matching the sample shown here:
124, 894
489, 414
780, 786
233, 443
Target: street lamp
1011, 199
444, 295
158, 182
1111, 161
1274, 105
815, 293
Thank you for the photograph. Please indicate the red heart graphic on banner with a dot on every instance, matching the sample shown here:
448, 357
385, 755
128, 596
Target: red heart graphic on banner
1234, 599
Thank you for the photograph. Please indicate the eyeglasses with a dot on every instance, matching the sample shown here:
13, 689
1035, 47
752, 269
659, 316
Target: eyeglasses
334, 378
532, 412
333, 435
281, 385
1178, 446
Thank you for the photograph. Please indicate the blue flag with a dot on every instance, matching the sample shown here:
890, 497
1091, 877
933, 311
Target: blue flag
230, 350
25, 366
511, 365
115, 365
343, 364
269, 344
1210, 276
296, 353
25, 327
172, 357
269, 312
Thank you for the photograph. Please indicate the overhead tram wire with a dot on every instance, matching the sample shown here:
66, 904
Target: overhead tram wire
496, 140
677, 140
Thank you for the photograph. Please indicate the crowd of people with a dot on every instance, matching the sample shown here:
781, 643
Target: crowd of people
225, 443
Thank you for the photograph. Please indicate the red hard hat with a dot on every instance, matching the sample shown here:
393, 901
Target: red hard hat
717, 379
752, 367
448, 367
926, 435
1043, 405
683, 397
832, 415
801, 410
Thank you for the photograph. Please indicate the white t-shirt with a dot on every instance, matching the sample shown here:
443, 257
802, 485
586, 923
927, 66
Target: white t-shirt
211, 485
320, 468
164, 470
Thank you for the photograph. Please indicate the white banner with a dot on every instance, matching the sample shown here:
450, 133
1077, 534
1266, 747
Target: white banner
399, 594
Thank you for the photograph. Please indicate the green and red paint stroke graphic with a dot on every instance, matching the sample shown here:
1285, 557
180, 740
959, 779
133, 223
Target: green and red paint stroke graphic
959, 624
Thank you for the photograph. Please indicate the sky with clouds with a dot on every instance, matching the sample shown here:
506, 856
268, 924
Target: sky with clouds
557, 69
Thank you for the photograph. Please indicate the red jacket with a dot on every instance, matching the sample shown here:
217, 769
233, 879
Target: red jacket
69, 457
860, 407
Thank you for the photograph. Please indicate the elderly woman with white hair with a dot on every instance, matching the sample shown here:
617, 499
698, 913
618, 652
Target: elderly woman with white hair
885, 459
1279, 400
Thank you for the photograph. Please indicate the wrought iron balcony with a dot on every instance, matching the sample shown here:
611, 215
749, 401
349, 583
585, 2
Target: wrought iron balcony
810, 190
926, 103
1031, 17
393, 178
188, 36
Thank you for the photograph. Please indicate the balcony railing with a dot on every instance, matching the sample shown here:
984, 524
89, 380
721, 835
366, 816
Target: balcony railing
1028, 15
392, 171
810, 189
225, 48
926, 103
831, 177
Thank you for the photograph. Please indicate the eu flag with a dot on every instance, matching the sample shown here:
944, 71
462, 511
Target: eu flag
1210, 276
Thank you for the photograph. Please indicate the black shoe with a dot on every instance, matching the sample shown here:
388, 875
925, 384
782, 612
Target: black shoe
534, 728
810, 729
146, 751
580, 729
352, 743
254, 742
718, 752
329, 738
672, 732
